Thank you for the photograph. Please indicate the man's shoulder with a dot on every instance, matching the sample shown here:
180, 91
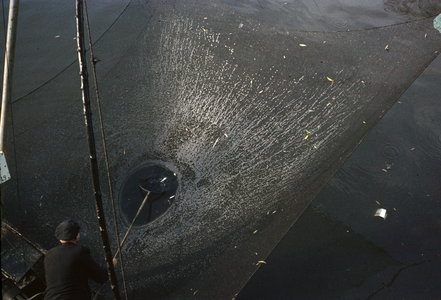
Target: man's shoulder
69, 248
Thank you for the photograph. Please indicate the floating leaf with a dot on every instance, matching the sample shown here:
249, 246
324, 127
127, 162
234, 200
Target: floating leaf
306, 137
302, 45
255, 232
308, 131
261, 92
332, 80
378, 202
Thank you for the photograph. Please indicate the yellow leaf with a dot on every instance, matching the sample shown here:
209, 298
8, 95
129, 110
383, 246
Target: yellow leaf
306, 137
378, 202
261, 92
332, 80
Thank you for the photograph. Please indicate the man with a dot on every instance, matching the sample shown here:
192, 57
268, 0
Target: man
69, 266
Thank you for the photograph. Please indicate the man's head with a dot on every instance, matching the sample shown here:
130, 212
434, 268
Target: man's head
67, 230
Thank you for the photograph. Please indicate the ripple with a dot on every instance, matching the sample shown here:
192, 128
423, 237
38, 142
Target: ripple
340, 23
388, 171
390, 151
430, 142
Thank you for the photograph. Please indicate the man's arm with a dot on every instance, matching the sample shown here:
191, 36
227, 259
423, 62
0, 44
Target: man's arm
94, 271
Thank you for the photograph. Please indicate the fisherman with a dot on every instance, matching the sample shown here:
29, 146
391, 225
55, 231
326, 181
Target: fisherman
69, 266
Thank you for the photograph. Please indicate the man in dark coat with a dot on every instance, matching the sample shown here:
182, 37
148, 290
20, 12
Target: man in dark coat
69, 266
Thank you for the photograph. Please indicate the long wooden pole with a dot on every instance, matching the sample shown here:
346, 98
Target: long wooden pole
8, 70
7, 82
92, 151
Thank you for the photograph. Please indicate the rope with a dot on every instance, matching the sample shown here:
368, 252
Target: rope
94, 61
125, 236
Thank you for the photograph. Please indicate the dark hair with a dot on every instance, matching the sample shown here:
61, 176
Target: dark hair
67, 230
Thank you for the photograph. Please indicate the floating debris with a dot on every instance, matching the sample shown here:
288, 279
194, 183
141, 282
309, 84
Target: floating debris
260, 262
381, 212
216, 142
330, 79
302, 45
255, 232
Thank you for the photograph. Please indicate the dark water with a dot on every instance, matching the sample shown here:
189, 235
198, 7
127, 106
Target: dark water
338, 249
161, 184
